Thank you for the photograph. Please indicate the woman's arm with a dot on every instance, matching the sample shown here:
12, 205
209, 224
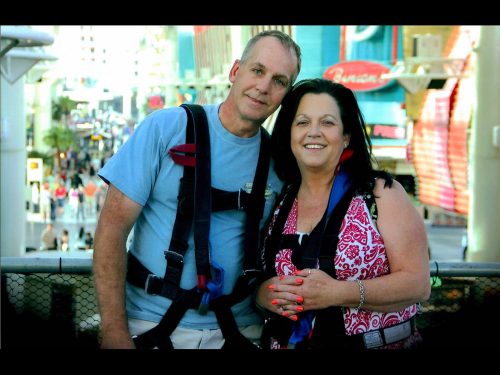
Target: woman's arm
405, 239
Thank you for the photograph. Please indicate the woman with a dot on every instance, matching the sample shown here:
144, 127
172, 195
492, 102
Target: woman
346, 252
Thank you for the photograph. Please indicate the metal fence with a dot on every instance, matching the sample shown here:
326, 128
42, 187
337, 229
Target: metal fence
51, 303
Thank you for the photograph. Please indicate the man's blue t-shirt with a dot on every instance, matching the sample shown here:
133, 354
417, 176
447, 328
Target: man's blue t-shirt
143, 170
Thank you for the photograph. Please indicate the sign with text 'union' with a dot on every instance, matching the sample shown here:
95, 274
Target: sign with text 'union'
358, 75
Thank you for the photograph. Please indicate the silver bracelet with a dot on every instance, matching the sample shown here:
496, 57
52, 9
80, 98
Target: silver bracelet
362, 292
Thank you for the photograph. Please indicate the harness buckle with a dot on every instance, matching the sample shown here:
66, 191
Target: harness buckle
250, 272
173, 256
146, 287
239, 200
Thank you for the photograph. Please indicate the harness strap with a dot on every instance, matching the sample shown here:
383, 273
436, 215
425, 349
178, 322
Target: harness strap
366, 340
159, 336
257, 199
184, 215
141, 277
230, 200
202, 196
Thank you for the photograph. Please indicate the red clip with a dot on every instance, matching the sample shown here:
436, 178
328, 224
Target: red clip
346, 154
187, 161
201, 282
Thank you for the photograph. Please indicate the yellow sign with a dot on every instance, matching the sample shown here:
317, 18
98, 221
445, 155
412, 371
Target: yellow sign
96, 136
34, 170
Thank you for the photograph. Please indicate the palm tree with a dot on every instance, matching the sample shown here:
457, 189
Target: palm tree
63, 106
61, 138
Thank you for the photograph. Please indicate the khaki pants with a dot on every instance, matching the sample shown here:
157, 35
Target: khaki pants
183, 338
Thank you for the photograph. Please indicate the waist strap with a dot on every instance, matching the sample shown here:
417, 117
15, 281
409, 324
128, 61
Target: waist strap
372, 339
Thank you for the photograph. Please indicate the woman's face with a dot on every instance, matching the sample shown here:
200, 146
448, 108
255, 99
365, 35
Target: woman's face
317, 139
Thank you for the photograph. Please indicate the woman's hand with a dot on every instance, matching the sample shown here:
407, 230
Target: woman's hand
316, 289
270, 296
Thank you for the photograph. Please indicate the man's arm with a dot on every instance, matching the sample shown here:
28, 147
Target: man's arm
117, 218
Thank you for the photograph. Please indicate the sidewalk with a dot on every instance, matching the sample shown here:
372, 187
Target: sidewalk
445, 242
35, 226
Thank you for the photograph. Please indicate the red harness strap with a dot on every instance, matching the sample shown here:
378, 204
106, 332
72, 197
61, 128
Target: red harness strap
187, 161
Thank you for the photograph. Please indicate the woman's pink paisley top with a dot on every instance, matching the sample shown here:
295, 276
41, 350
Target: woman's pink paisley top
360, 255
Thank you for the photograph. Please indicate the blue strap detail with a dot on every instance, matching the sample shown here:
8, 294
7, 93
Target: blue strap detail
341, 184
216, 286
302, 327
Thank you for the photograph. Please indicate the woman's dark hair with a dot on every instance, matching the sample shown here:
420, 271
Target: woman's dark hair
359, 165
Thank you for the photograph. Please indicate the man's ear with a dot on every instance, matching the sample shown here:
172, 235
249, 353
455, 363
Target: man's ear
234, 71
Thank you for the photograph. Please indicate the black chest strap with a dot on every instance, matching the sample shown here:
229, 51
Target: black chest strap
320, 244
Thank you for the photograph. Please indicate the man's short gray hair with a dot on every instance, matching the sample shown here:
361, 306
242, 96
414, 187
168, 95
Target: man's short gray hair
283, 38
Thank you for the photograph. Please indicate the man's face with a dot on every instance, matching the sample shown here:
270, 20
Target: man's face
263, 80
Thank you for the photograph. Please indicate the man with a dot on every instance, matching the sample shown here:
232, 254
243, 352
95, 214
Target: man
89, 196
144, 184
48, 239
45, 197
76, 180
60, 193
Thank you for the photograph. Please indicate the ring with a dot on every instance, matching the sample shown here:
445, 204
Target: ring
281, 308
310, 271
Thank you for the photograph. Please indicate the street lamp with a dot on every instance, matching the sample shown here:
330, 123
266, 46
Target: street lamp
16, 62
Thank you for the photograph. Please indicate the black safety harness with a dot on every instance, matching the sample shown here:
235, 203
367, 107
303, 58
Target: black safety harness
321, 244
196, 200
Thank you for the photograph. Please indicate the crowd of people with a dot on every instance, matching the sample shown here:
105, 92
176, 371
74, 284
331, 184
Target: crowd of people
74, 191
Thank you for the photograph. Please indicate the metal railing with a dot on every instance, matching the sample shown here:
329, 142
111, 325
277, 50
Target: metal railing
51, 302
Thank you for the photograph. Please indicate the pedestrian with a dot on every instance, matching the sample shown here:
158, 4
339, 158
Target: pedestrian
100, 195
80, 208
65, 240
89, 241
87, 159
63, 175
73, 200
80, 240
60, 193
346, 247
91, 171
143, 188
76, 179
48, 238
45, 197
35, 198
90, 190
